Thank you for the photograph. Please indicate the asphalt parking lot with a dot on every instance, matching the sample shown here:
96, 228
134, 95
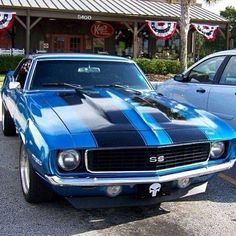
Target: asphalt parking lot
213, 213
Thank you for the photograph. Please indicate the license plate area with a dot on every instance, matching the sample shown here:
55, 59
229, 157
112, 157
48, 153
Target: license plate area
153, 190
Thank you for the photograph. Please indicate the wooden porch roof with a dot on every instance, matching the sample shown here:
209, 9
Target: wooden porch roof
131, 9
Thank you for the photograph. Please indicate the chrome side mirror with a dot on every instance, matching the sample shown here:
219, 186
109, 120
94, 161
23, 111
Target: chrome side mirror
14, 85
179, 77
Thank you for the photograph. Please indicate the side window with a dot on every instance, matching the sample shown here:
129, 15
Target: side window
204, 73
229, 75
21, 72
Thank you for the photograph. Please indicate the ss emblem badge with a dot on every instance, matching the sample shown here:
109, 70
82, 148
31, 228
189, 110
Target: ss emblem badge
158, 159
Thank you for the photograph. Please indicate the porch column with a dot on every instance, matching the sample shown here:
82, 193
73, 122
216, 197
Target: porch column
135, 40
27, 50
28, 27
135, 30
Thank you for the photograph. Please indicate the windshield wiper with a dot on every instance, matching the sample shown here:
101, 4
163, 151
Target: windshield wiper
78, 87
125, 87
75, 86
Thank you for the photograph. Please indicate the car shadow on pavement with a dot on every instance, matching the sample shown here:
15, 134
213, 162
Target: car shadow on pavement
112, 221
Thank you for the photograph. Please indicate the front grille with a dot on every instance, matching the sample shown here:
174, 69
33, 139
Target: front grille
138, 159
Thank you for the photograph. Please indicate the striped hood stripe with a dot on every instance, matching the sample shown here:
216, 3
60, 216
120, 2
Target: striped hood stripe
115, 117
144, 122
86, 137
166, 119
107, 124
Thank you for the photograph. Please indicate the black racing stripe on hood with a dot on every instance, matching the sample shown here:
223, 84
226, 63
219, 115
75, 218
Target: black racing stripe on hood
186, 135
118, 138
108, 136
169, 119
181, 132
161, 108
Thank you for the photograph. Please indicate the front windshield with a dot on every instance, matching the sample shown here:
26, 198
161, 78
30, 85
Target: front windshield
87, 73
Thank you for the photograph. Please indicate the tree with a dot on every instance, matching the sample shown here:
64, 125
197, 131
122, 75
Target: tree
230, 14
184, 28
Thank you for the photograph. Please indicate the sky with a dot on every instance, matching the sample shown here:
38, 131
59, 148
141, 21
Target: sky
219, 5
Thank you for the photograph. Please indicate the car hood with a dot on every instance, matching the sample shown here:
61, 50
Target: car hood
109, 117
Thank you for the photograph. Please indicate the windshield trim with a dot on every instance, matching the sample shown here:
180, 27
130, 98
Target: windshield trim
34, 63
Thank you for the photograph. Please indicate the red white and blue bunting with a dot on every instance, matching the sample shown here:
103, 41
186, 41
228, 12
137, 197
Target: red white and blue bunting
6, 20
208, 31
162, 29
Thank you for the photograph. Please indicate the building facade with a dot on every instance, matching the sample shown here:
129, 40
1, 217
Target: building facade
116, 27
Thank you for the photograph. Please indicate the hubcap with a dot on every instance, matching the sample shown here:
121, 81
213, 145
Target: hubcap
24, 171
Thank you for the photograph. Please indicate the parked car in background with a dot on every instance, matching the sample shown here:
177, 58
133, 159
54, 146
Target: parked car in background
209, 84
93, 130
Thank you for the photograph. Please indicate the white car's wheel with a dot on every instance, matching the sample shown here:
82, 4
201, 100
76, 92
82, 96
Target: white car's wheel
33, 187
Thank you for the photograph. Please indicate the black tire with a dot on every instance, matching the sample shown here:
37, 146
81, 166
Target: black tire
8, 126
35, 191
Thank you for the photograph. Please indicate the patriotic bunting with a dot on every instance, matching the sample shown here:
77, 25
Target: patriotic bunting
6, 20
208, 31
162, 29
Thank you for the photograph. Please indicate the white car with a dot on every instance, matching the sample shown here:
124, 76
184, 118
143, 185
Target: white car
209, 84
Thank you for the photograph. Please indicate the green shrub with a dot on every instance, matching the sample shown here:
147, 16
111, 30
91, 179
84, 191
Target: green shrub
158, 66
144, 64
9, 62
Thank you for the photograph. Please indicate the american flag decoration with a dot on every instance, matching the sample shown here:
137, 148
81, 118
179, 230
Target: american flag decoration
25, 67
6, 20
162, 29
208, 31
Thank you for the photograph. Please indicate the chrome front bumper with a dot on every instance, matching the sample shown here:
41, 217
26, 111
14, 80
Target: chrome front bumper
92, 182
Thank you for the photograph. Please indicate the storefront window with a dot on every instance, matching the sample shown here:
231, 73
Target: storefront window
124, 41
143, 43
168, 49
98, 45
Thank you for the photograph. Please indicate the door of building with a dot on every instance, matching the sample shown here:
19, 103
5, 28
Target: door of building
67, 43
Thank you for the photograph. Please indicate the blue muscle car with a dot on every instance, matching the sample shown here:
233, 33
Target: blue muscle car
94, 131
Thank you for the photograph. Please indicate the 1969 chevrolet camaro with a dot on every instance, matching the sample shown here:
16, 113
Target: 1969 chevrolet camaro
93, 130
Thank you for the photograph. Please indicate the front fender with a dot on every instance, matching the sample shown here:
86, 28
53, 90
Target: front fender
37, 148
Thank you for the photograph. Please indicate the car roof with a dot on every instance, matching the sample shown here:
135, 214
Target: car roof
77, 56
231, 52
226, 52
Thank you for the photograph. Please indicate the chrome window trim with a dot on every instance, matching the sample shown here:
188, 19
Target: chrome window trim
36, 60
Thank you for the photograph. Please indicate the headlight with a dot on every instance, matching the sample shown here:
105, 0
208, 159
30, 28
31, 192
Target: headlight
68, 160
217, 150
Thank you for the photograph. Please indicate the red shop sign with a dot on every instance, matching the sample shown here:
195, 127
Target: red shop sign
102, 30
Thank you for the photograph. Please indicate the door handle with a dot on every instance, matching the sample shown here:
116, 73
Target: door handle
160, 94
200, 90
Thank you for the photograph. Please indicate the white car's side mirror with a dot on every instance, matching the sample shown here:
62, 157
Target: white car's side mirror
14, 85
179, 78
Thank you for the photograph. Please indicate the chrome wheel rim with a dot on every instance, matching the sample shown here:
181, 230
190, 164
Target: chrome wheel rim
24, 171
